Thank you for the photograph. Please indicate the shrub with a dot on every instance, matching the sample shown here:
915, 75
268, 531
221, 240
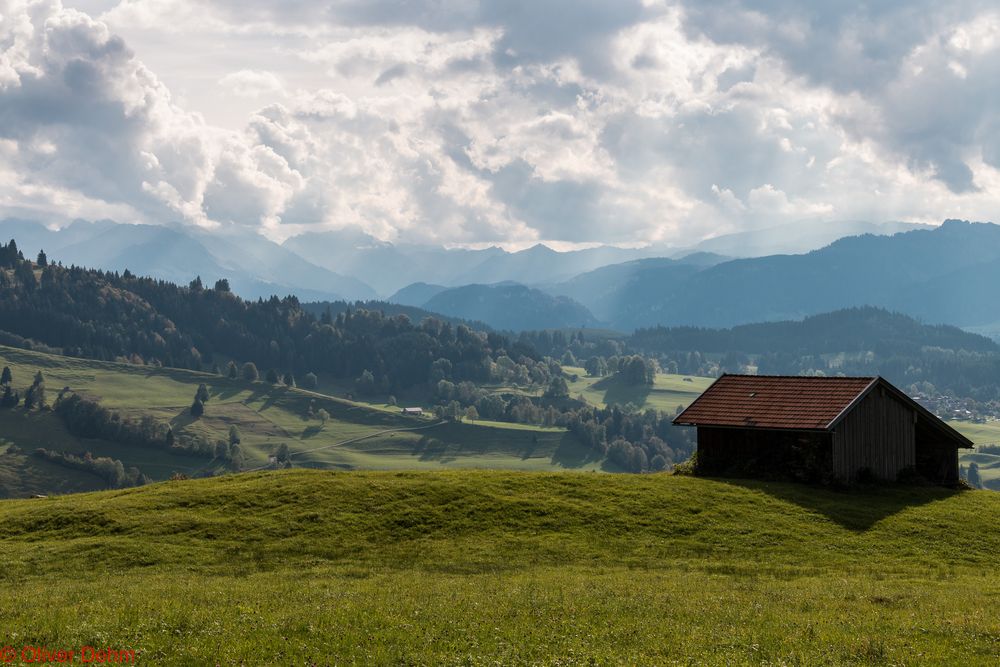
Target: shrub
689, 468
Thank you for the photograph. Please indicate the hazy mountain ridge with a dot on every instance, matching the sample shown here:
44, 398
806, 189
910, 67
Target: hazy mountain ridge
941, 274
885, 271
626, 293
416, 294
797, 237
254, 266
389, 268
511, 307
944, 274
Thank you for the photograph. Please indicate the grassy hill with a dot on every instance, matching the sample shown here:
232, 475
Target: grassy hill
989, 463
666, 393
488, 567
266, 417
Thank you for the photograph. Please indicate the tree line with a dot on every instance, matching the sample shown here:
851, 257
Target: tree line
123, 317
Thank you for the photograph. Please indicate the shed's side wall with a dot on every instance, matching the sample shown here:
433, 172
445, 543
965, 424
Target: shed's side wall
878, 434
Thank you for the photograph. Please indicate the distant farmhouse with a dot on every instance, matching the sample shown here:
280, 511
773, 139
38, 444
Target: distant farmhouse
412, 411
820, 428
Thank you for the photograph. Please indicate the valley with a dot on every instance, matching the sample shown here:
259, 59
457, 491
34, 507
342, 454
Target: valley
266, 417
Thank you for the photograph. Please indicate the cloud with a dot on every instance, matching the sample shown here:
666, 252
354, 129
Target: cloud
252, 83
462, 121
922, 70
86, 116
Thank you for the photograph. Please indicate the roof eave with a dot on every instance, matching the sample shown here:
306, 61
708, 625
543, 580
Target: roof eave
743, 427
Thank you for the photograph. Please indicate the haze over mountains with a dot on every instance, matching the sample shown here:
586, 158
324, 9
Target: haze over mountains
940, 274
254, 266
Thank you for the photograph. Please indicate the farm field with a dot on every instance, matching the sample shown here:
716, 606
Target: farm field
266, 416
667, 393
493, 567
989, 464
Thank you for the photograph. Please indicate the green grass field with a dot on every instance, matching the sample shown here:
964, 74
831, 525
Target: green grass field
989, 464
667, 393
489, 567
266, 417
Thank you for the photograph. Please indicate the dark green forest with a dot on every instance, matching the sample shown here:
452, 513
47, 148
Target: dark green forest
110, 316
925, 359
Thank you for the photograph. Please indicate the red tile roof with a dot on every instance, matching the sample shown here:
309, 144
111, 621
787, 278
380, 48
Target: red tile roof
779, 402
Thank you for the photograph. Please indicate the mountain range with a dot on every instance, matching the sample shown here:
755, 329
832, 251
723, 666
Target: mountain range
946, 274
511, 307
254, 266
388, 267
939, 274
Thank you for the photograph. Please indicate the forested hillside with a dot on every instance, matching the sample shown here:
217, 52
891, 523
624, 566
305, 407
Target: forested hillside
466, 373
103, 315
927, 359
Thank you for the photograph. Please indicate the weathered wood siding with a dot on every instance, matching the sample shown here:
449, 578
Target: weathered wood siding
878, 434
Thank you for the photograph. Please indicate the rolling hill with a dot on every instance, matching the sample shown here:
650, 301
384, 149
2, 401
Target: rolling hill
483, 567
266, 417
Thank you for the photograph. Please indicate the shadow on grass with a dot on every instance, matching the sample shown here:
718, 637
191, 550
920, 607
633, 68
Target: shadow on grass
256, 394
616, 391
855, 508
432, 449
272, 397
182, 419
228, 391
310, 431
571, 453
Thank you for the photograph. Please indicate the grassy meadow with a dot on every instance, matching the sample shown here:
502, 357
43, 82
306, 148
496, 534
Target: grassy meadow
989, 464
493, 567
667, 393
266, 417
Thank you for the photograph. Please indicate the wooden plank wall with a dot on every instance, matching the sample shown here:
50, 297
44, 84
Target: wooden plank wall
879, 434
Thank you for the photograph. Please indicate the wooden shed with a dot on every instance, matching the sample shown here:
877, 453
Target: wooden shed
818, 427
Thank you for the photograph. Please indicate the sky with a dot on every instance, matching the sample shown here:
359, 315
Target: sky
512, 122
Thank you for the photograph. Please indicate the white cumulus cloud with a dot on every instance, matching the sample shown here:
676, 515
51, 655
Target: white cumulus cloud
468, 121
